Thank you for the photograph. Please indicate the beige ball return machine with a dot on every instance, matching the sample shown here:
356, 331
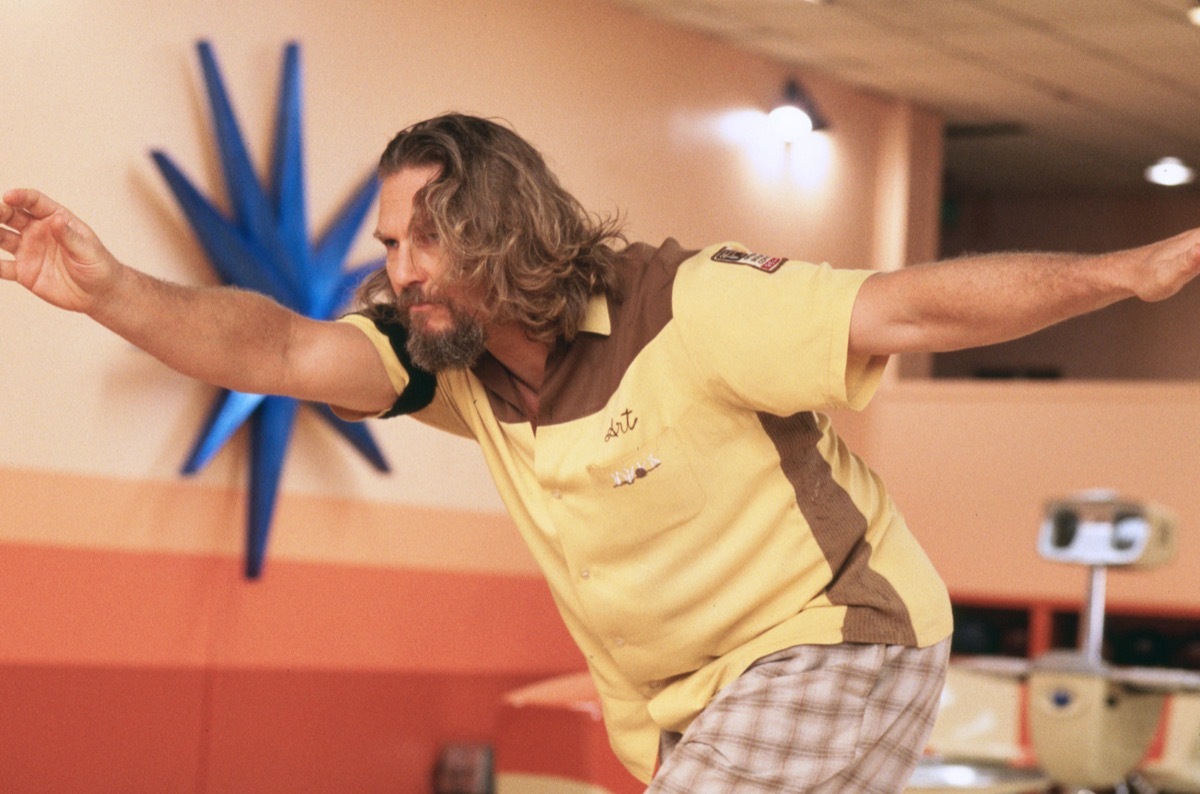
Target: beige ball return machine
1090, 722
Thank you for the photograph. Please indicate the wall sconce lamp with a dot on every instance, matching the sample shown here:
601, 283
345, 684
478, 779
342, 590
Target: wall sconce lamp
797, 115
1193, 13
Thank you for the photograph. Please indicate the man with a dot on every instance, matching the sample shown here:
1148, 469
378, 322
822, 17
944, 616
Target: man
753, 609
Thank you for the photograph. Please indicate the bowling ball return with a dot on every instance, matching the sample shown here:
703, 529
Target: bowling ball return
1089, 723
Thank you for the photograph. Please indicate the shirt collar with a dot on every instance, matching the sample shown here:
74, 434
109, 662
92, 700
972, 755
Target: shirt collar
595, 316
499, 381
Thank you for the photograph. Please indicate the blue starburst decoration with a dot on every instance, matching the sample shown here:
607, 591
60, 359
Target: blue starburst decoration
265, 247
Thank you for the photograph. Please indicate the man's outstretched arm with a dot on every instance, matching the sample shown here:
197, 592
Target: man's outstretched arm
224, 336
993, 298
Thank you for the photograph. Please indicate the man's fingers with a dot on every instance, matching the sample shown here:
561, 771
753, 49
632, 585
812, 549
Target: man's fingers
18, 219
22, 206
9, 240
8, 270
34, 202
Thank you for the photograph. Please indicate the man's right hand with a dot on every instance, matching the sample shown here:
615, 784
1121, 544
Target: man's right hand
229, 337
56, 255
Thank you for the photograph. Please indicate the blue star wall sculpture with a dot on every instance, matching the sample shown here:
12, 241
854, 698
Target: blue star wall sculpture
265, 247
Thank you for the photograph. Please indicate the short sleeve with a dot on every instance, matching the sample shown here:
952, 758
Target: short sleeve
414, 386
773, 334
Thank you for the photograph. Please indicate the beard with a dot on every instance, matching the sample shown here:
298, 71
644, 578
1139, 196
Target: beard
456, 347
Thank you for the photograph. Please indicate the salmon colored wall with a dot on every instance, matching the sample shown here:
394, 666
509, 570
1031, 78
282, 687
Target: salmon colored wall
394, 610
908, 202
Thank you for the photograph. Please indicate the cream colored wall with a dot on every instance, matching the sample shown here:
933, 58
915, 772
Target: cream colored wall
635, 116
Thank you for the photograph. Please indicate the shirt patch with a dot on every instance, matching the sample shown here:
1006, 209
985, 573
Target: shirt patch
767, 264
631, 474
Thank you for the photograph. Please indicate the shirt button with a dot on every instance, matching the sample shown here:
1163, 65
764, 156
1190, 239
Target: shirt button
620, 642
556, 494
585, 573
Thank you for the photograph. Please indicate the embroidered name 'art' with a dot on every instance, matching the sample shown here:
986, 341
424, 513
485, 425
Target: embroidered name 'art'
621, 425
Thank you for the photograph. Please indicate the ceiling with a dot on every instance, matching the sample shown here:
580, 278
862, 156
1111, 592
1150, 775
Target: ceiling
1039, 96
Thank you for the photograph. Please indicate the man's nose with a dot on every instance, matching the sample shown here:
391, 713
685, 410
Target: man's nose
402, 272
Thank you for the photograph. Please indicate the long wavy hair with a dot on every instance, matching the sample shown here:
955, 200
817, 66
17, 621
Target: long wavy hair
506, 225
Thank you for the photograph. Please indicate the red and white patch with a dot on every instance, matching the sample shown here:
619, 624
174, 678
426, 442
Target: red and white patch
732, 256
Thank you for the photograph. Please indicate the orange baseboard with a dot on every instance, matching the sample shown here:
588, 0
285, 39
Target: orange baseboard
155, 730
159, 672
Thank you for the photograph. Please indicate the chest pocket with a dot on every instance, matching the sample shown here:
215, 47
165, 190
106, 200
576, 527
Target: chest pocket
646, 490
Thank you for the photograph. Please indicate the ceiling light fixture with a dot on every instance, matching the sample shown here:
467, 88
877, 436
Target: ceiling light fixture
1170, 171
1193, 13
798, 115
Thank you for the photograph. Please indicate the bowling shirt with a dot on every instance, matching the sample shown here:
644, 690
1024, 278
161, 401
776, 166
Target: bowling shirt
690, 505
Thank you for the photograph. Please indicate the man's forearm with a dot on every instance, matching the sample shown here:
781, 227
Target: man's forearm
224, 336
993, 298
989, 299
221, 335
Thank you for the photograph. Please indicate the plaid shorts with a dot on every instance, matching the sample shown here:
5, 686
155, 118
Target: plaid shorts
813, 718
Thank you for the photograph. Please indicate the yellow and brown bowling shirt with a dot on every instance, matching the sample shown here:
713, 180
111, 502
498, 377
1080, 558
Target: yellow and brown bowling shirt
690, 506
